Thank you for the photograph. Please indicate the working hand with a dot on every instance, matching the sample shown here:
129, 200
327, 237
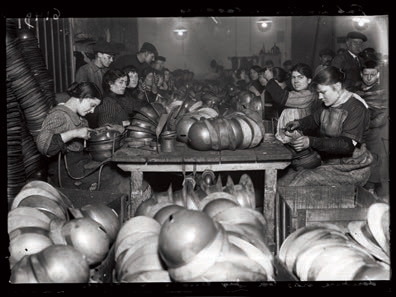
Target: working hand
291, 126
83, 133
300, 143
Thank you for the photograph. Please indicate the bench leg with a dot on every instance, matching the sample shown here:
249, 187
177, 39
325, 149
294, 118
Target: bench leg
136, 192
270, 180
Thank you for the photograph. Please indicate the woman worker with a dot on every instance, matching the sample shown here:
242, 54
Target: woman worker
293, 104
64, 131
340, 125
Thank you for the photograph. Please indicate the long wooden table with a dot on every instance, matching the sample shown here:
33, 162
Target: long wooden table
269, 156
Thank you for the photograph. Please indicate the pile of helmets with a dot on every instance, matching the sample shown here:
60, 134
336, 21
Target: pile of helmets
51, 241
236, 130
324, 252
198, 191
214, 238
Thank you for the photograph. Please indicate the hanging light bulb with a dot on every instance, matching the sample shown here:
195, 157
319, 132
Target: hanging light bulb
264, 24
180, 33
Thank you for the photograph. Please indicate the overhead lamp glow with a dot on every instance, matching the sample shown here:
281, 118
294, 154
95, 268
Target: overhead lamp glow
180, 33
264, 25
360, 23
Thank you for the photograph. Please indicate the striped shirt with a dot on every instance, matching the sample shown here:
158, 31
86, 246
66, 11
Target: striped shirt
110, 111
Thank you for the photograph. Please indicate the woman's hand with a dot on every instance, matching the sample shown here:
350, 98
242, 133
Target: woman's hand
292, 125
83, 133
300, 143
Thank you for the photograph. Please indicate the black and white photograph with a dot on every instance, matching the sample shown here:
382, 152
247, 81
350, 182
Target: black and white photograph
200, 152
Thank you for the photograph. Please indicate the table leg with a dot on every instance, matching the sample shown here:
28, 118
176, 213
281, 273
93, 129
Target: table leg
136, 192
270, 180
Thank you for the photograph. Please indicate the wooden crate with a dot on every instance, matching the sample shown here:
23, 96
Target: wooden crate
313, 197
297, 207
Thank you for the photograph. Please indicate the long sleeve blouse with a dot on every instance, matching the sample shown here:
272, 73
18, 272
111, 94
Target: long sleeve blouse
59, 119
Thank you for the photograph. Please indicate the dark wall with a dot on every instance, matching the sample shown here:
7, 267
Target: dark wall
118, 30
309, 36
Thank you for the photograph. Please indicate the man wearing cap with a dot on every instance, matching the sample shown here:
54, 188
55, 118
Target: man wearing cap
159, 63
377, 138
326, 55
140, 60
350, 61
94, 70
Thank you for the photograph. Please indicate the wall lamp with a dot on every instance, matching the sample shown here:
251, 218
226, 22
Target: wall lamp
264, 24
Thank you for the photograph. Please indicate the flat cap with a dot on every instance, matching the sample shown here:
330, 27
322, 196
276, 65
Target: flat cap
148, 47
105, 47
327, 51
356, 35
161, 58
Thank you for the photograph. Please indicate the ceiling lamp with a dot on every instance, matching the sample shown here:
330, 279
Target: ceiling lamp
180, 33
264, 25
360, 23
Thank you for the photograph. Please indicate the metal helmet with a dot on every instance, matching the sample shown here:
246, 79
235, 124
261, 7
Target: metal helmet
87, 236
184, 234
103, 214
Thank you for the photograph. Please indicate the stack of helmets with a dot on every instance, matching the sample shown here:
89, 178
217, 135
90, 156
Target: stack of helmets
237, 130
91, 230
34, 258
196, 248
144, 124
218, 237
32, 210
136, 252
323, 252
53, 264
373, 233
48, 235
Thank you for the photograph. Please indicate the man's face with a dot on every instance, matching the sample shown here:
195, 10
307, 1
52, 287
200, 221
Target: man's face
370, 76
355, 45
326, 60
150, 57
158, 64
105, 59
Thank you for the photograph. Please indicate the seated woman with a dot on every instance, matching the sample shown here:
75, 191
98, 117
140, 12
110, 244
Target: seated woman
255, 86
116, 107
271, 108
147, 87
168, 84
132, 87
341, 125
64, 131
243, 79
295, 104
